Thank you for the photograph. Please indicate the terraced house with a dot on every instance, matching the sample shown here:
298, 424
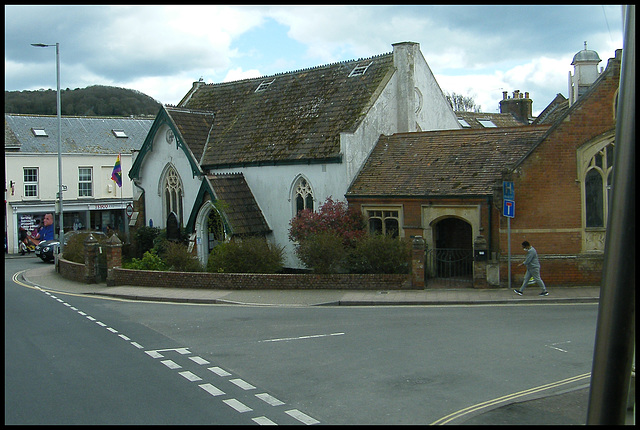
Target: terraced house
243, 157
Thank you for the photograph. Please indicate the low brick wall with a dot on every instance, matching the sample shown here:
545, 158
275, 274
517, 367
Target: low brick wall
70, 270
235, 281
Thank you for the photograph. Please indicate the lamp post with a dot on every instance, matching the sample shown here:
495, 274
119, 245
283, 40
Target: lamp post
57, 45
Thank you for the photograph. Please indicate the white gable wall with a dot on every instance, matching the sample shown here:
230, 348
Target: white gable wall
155, 162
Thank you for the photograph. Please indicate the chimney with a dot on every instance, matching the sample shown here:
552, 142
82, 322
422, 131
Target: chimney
520, 106
404, 55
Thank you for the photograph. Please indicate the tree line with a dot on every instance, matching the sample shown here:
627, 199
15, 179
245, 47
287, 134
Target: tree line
96, 100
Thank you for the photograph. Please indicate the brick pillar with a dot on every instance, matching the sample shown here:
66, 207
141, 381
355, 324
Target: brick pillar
114, 258
480, 257
417, 263
90, 259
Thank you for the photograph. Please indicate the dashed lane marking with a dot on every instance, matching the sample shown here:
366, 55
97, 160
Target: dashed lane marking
237, 405
211, 389
190, 376
171, 364
198, 360
219, 371
263, 421
302, 417
269, 399
242, 384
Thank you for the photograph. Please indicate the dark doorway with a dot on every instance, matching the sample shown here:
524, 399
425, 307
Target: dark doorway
450, 264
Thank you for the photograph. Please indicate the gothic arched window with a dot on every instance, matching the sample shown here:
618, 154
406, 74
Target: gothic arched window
173, 194
597, 187
303, 196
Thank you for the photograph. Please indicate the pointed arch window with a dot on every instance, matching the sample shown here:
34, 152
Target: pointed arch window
597, 187
173, 194
303, 196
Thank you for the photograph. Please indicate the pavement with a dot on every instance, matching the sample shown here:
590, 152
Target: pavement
47, 278
565, 408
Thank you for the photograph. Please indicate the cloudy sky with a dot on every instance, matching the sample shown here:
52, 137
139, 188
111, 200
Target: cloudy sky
476, 51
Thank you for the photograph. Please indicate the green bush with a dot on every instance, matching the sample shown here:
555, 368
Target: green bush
149, 261
74, 248
144, 240
246, 255
380, 254
323, 252
176, 256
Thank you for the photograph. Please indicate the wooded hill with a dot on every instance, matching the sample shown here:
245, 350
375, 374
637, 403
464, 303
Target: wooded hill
96, 100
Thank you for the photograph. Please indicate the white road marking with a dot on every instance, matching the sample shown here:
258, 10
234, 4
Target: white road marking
60, 300
82, 313
553, 345
301, 337
263, 421
302, 417
137, 345
124, 337
219, 371
198, 360
190, 376
242, 384
90, 318
74, 308
154, 354
112, 330
66, 304
268, 398
211, 389
171, 364
101, 323
237, 405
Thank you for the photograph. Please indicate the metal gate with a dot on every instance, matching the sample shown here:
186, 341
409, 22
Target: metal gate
449, 268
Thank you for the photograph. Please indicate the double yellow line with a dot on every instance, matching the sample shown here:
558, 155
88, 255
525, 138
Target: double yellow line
488, 403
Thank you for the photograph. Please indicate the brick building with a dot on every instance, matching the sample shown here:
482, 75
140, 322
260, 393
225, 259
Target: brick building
447, 186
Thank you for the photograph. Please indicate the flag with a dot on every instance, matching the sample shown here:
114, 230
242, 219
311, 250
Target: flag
116, 175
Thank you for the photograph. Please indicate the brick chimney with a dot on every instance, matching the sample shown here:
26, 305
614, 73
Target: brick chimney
520, 106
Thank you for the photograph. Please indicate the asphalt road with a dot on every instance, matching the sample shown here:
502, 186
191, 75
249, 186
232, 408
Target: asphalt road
162, 363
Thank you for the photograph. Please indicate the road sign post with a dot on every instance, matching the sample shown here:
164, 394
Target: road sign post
509, 211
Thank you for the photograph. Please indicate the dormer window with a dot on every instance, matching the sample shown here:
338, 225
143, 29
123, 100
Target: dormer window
463, 123
264, 85
39, 132
119, 133
486, 123
359, 70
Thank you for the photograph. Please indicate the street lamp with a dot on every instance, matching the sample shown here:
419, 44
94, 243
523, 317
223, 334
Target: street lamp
57, 45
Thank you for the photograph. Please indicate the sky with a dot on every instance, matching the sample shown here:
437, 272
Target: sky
473, 50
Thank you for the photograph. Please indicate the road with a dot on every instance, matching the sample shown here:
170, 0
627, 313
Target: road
87, 360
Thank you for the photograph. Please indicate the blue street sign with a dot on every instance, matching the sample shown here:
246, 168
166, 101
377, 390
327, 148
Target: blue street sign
508, 191
509, 208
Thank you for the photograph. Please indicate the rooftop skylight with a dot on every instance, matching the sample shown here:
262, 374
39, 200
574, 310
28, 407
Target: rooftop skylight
486, 123
359, 70
39, 132
463, 123
264, 85
119, 133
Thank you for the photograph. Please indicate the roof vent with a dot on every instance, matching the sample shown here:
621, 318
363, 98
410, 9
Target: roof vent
359, 70
264, 85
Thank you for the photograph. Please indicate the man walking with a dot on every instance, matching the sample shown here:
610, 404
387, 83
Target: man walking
532, 264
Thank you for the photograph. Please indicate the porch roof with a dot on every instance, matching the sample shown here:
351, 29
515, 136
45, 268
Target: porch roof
443, 163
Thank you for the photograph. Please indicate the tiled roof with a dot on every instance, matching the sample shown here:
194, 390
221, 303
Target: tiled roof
553, 111
238, 204
194, 126
298, 117
443, 163
499, 119
84, 135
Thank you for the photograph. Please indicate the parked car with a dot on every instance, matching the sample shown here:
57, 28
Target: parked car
47, 248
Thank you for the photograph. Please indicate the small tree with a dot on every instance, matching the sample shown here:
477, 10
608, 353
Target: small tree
460, 103
347, 223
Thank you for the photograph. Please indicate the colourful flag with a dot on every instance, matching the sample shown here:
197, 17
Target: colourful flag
116, 175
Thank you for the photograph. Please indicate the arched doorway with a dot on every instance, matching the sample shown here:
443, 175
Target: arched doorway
450, 263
